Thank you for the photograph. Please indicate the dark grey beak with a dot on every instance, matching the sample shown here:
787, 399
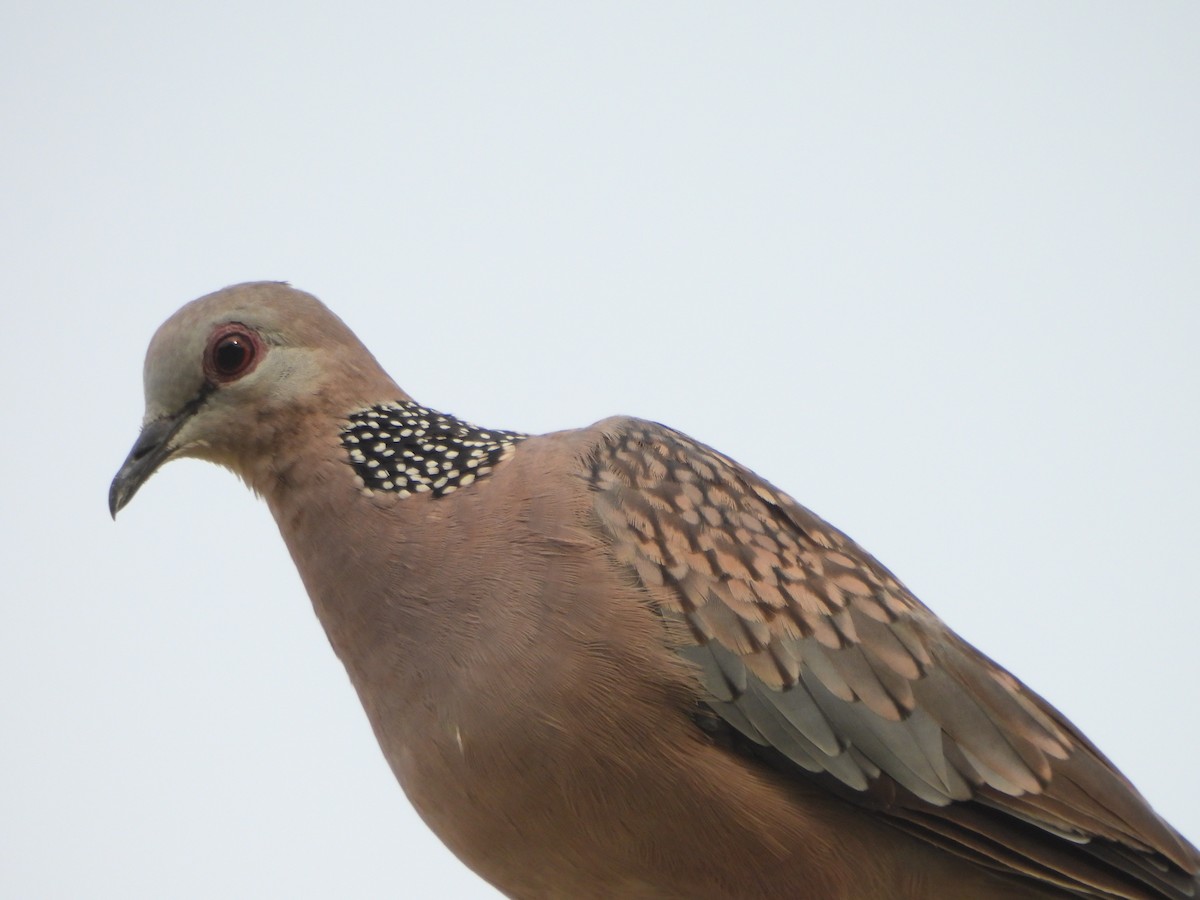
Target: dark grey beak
151, 450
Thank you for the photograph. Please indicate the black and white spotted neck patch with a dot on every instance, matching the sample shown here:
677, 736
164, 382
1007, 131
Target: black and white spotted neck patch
407, 449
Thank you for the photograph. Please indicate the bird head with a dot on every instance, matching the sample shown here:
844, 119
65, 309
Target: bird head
225, 371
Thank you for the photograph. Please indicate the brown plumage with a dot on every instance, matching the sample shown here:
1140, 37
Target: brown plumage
614, 663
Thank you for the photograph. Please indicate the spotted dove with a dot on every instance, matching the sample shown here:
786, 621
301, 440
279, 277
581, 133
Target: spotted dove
612, 662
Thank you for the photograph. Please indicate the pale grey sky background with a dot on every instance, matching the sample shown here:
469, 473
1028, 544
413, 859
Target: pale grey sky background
933, 268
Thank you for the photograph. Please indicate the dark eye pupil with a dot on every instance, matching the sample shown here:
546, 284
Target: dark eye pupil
230, 355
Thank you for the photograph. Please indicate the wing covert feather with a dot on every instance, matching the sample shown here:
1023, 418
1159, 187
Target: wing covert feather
804, 643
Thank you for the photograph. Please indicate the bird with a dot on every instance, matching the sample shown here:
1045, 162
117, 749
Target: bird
613, 662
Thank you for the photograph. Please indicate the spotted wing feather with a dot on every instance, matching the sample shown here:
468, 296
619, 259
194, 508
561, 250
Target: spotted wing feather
804, 644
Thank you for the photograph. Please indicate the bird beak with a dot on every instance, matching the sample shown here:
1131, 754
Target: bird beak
150, 450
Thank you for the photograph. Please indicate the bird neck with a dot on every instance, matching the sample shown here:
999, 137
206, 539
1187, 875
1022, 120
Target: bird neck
360, 500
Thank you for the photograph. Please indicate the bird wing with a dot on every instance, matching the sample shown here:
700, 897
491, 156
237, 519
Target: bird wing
806, 646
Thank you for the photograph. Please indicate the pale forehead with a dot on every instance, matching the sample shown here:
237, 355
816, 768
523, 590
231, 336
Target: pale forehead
270, 304
173, 373
277, 310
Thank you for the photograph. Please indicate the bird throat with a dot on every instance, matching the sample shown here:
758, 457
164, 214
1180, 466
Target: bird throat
406, 449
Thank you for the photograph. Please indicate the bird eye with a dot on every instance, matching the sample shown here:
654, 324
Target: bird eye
232, 353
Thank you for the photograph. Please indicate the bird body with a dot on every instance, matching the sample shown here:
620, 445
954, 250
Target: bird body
611, 662
520, 733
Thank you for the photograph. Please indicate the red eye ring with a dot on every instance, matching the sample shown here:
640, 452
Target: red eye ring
233, 351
